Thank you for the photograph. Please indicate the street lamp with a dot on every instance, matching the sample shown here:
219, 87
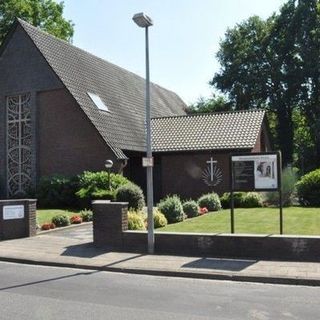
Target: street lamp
143, 21
108, 164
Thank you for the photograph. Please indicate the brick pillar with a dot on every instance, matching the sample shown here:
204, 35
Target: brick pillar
110, 219
18, 224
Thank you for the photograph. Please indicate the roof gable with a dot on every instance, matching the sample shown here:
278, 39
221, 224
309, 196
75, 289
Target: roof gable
122, 91
213, 131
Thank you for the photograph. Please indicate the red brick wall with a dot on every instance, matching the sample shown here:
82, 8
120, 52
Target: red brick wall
67, 141
181, 173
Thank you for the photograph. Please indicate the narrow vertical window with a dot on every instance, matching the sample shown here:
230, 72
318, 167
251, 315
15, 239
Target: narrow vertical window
19, 145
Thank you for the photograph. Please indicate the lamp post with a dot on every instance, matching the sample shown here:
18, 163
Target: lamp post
108, 164
143, 21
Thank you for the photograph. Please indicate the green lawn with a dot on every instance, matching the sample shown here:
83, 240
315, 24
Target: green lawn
45, 215
296, 220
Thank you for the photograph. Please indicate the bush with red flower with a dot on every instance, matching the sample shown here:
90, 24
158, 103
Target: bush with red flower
203, 211
48, 226
76, 219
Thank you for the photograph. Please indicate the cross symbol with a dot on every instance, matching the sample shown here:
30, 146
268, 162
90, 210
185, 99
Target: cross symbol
211, 162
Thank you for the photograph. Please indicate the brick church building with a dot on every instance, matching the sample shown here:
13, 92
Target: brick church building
64, 110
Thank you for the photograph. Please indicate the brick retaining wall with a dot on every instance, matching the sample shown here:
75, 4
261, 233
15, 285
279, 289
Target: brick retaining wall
110, 232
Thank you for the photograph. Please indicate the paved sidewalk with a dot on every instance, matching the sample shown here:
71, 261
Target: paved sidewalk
73, 247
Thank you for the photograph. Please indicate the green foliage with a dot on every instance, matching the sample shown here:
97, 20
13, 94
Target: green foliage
171, 207
159, 219
252, 200
135, 221
273, 64
309, 189
94, 185
61, 220
210, 201
86, 215
214, 104
190, 208
132, 194
237, 199
46, 14
288, 182
57, 192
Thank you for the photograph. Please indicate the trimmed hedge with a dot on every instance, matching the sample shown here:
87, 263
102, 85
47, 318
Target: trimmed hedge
252, 200
57, 192
132, 194
171, 207
159, 219
237, 199
135, 221
190, 208
210, 201
61, 220
308, 189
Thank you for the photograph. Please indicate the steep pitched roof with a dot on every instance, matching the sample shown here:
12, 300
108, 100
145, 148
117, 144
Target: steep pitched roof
121, 91
214, 131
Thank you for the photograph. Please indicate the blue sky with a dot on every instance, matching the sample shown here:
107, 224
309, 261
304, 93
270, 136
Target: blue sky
183, 40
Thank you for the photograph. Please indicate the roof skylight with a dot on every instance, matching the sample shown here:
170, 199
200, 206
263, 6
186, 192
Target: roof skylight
98, 102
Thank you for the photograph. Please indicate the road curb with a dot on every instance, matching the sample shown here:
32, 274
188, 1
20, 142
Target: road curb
298, 281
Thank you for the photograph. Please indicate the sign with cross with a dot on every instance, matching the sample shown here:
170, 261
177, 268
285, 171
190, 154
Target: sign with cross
212, 175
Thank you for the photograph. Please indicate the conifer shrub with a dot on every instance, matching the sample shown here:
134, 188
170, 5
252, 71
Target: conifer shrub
136, 221
252, 200
159, 219
308, 189
225, 199
132, 194
86, 215
172, 208
191, 208
60, 220
210, 201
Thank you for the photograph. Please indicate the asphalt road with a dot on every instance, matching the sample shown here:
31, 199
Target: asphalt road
35, 292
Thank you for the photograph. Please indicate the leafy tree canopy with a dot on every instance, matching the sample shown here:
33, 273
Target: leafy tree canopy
45, 14
213, 104
275, 64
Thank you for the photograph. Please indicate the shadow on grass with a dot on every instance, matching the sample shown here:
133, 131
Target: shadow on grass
220, 264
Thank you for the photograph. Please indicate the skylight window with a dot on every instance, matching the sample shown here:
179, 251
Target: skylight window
98, 102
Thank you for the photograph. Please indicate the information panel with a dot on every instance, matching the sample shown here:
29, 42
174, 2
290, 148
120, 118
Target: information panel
255, 172
13, 212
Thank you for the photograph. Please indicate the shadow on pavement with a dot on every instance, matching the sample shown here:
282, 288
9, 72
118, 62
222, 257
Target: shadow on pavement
220, 264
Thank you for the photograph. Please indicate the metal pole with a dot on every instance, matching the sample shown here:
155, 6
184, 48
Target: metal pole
232, 212
109, 169
149, 154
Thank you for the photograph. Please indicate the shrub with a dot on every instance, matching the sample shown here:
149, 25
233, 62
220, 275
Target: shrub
86, 215
252, 200
210, 201
308, 189
132, 194
48, 226
237, 199
172, 208
57, 192
159, 219
76, 219
190, 208
203, 211
61, 220
135, 221
95, 185
288, 186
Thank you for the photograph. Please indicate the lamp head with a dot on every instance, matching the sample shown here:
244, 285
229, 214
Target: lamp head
142, 20
108, 164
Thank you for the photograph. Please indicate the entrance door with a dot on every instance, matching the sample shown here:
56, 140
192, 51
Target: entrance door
19, 143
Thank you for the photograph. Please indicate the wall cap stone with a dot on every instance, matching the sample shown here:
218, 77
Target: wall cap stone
109, 202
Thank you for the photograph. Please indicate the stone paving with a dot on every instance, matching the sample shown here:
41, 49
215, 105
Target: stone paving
73, 247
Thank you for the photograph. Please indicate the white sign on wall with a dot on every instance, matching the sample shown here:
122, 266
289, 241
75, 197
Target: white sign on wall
13, 212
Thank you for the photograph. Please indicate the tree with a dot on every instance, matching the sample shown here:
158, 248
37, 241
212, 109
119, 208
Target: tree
274, 64
46, 14
213, 104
